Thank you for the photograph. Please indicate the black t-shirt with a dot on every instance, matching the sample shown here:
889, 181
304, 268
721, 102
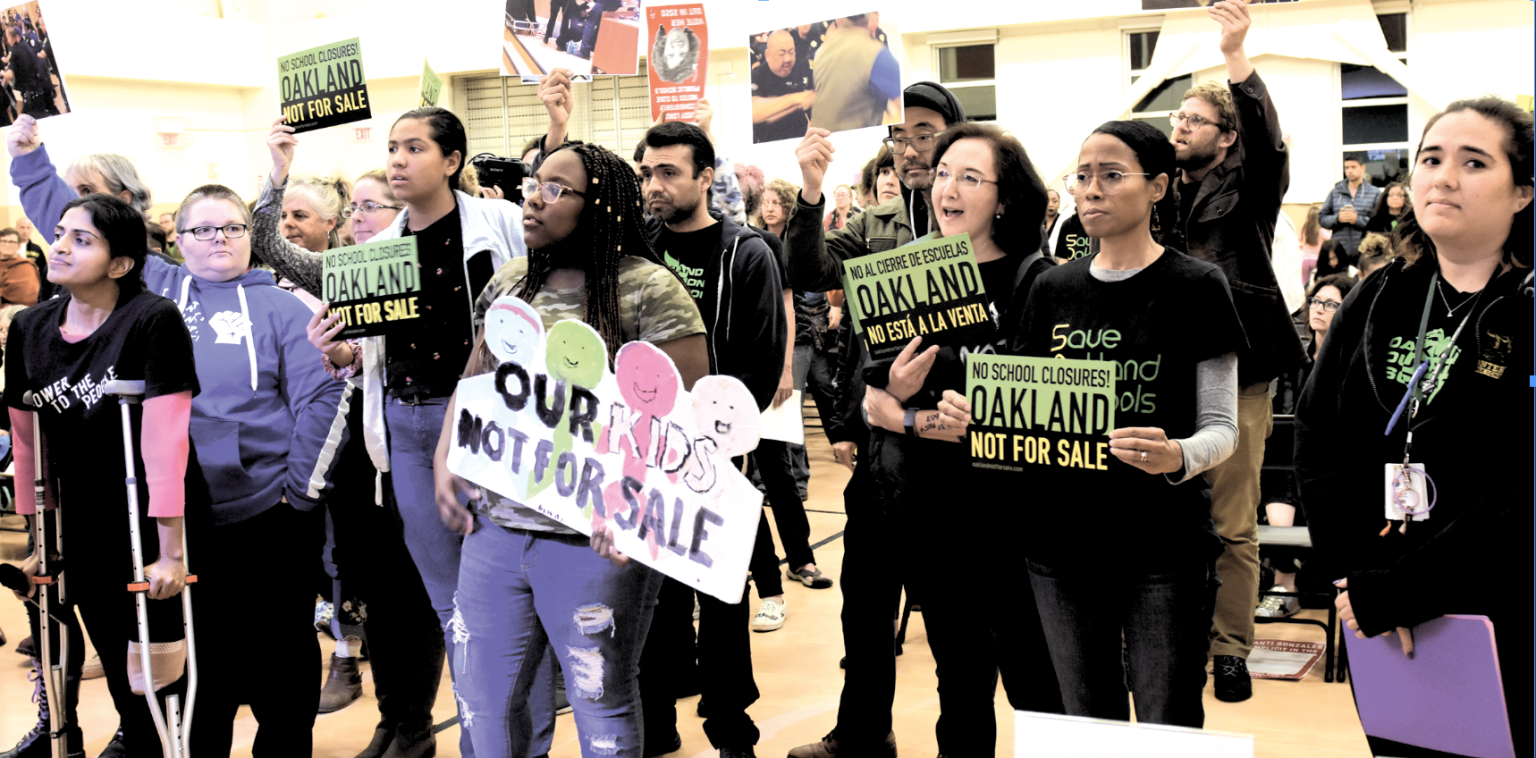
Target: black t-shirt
427, 355
688, 254
1073, 242
143, 339
1156, 326
1187, 192
767, 84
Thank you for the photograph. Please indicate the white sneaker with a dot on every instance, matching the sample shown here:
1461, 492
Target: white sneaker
1277, 606
770, 616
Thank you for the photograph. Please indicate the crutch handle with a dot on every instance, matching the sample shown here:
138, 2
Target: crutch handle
144, 586
40, 579
130, 390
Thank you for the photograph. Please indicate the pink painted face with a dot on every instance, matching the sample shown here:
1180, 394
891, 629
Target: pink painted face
725, 411
647, 378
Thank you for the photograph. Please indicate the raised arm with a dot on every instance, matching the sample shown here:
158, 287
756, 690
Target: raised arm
43, 192
288, 259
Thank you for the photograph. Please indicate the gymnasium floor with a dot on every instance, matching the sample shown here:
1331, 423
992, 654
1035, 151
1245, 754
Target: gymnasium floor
796, 670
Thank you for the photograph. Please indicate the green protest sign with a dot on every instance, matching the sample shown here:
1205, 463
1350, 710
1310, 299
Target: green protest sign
372, 285
431, 85
324, 86
930, 289
1040, 412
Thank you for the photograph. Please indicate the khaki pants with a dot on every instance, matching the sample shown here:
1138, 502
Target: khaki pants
1235, 509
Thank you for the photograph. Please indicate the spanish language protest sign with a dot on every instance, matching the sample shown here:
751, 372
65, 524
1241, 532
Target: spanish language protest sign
554, 435
431, 85
324, 86
373, 285
930, 289
1040, 412
679, 60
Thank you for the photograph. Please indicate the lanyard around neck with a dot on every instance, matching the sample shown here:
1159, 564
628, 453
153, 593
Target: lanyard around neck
1427, 376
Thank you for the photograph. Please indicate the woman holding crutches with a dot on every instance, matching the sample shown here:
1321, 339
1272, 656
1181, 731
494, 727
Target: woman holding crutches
107, 327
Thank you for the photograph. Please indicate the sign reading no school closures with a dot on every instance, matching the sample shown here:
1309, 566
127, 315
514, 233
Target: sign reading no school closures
1040, 412
372, 285
930, 289
554, 436
324, 86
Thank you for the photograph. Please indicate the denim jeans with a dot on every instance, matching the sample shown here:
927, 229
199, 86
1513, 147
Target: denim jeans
1164, 618
413, 434
521, 592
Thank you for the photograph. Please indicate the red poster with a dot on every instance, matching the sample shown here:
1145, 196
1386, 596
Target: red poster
678, 61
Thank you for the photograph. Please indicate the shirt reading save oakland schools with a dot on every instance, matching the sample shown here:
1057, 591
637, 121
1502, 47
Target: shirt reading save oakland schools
1156, 326
142, 339
653, 307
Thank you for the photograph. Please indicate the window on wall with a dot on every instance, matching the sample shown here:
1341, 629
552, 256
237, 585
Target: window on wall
1373, 110
501, 114
970, 72
1164, 99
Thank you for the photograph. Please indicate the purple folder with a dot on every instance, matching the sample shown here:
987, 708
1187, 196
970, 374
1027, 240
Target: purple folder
1449, 697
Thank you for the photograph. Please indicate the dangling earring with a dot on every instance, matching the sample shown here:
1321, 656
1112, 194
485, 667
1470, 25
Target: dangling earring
1156, 226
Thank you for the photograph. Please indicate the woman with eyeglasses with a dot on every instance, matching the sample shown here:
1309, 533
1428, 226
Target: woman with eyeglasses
524, 576
1427, 363
261, 427
1145, 574
984, 186
408, 377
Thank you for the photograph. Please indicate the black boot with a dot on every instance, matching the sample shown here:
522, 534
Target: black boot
36, 743
383, 734
117, 748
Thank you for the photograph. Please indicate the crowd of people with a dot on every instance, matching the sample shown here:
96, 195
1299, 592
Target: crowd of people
260, 426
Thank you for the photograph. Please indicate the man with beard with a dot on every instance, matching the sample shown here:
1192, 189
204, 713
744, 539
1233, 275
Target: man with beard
871, 581
782, 91
1234, 172
736, 282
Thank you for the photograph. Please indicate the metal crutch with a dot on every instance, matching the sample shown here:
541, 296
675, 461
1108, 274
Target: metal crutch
50, 582
174, 730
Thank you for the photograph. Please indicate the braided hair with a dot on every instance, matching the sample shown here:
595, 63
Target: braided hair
611, 227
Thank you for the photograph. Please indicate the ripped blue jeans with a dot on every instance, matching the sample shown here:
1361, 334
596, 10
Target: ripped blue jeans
522, 590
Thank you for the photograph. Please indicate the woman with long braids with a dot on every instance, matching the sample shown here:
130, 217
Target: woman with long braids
524, 576
408, 377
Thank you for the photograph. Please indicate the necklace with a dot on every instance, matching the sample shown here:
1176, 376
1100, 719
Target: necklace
1439, 287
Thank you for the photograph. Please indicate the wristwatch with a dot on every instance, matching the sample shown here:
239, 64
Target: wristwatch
910, 422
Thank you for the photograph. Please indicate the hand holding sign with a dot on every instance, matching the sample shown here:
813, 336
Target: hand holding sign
910, 370
954, 410
281, 142
23, 136
1232, 15
555, 94
1147, 448
814, 154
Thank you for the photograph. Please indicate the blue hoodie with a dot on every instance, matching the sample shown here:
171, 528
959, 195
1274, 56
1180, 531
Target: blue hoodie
269, 422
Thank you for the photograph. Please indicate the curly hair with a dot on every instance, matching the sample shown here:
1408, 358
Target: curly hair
611, 227
788, 195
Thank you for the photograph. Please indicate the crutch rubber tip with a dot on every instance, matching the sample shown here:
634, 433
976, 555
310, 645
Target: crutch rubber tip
138, 586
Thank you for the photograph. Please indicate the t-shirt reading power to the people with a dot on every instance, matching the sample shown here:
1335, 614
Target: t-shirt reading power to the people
143, 339
1155, 326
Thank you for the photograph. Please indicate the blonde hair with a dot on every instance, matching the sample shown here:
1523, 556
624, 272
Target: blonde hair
379, 177
326, 196
1219, 98
469, 182
118, 173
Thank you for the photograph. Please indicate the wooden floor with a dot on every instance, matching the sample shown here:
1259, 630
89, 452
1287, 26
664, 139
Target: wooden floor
796, 670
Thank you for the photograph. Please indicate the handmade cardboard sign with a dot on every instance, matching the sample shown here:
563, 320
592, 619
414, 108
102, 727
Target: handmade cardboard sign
373, 286
1040, 412
554, 434
324, 86
431, 85
930, 289
679, 60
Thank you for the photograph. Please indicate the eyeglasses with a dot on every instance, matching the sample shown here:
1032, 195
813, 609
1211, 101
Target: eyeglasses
367, 208
10, 242
1329, 306
968, 182
549, 192
1195, 122
1109, 182
920, 141
205, 233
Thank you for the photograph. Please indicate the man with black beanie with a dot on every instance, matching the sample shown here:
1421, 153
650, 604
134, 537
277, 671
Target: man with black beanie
871, 581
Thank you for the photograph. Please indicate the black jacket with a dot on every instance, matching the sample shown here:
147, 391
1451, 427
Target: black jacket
744, 312
1232, 224
1473, 553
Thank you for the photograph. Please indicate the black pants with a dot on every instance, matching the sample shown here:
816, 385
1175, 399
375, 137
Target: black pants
772, 459
966, 623
405, 643
253, 599
724, 664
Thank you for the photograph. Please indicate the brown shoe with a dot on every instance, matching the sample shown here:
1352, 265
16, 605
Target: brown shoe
828, 748
344, 685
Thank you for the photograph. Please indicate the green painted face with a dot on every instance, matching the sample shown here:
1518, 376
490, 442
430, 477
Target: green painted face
574, 353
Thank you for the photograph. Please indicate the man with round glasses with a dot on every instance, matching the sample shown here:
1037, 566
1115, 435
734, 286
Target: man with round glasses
1234, 173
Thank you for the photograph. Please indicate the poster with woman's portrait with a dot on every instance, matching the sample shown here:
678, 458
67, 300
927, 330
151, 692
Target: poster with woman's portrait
678, 61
